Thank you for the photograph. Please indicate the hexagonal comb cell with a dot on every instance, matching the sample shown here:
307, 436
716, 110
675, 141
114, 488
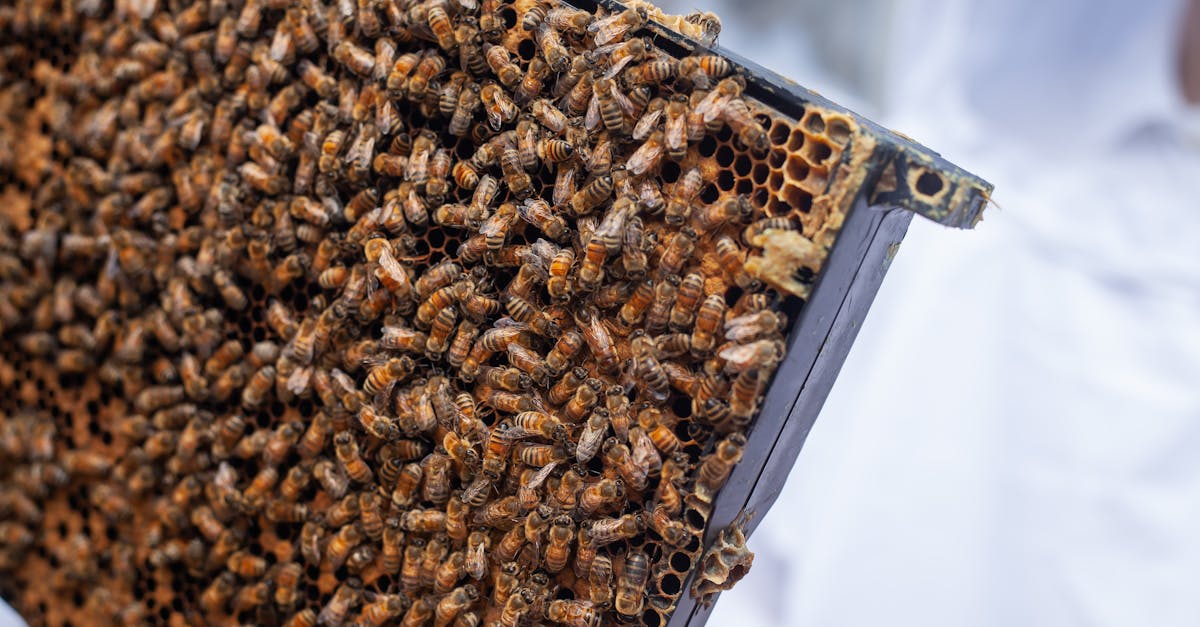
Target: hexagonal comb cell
421, 311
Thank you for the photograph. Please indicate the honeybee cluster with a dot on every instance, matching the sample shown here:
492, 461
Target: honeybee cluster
416, 311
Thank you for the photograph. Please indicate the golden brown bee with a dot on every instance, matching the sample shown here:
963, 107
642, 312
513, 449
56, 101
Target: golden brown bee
406, 485
573, 613
558, 547
436, 277
607, 106
306, 617
245, 565
387, 374
592, 195
352, 462
383, 609
516, 607
497, 105
360, 558
500, 62
708, 323
523, 311
702, 69
358, 60
683, 311
449, 572
347, 595
455, 603
716, 466
498, 513
439, 22
217, 594
342, 512
420, 613
648, 155
617, 25
436, 487
393, 546
604, 531
630, 595
469, 101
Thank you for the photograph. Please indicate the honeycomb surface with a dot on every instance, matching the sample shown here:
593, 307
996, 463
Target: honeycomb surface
319, 314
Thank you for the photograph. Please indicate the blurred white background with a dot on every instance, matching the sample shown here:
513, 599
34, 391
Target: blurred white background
1013, 440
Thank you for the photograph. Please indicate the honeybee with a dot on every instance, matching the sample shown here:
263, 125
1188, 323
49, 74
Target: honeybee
352, 462
702, 69
405, 488
439, 22
356, 59
586, 396
498, 513
630, 594
598, 339
603, 531
716, 466
245, 565
753, 325
469, 101
617, 25
550, 44
573, 613
387, 374
344, 599
558, 547
360, 558
382, 609
218, 593
522, 311
608, 105
497, 105
410, 570
592, 195
455, 603
528, 361
564, 388
436, 277
501, 64
750, 131
558, 283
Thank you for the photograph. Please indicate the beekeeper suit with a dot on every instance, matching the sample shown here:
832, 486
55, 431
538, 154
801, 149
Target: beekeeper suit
1015, 439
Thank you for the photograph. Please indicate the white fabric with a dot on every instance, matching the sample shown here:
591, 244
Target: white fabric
1013, 440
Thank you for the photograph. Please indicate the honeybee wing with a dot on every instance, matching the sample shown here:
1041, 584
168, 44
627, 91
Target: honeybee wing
391, 265
748, 326
645, 157
540, 252
540, 476
297, 383
508, 323
494, 115
564, 185
478, 486
647, 124
744, 355
712, 105
644, 453
589, 442
591, 119
618, 66
623, 101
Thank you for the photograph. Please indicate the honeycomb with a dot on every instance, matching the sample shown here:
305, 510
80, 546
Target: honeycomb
315, 314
